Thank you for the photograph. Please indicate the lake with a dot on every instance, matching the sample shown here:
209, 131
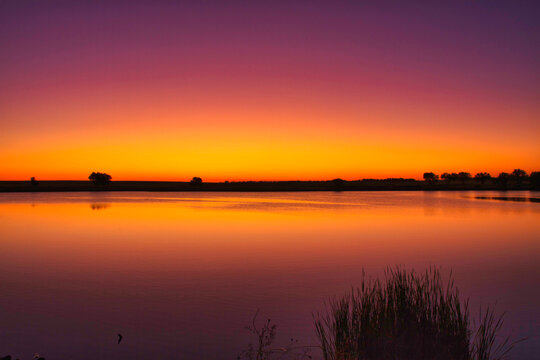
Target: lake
180, 275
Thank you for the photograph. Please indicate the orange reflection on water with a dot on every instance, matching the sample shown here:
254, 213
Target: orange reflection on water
203, 263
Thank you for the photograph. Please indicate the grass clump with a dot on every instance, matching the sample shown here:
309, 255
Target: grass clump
408, 315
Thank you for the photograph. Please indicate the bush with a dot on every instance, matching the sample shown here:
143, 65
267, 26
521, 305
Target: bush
196, 181
100, 178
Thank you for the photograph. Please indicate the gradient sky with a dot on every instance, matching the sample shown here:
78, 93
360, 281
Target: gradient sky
230, 90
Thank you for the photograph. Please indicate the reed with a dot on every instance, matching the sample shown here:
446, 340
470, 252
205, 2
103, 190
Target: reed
408, 315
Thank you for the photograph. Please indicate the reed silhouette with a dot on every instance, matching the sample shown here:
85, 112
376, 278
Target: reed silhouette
407, 316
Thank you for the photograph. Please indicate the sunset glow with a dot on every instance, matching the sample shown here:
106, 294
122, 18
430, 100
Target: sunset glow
313, 90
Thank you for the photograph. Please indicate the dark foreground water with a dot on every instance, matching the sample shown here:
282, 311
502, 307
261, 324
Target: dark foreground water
181, 274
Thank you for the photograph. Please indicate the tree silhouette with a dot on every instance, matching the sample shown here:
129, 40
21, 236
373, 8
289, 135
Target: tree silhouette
502, 179
338, 183
482, 177
451, 177
33, 181
100, 178
519, 175
535, 179
464, 176
430, 177
196, 181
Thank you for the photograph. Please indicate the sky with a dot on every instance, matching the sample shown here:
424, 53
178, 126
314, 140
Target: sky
267, 90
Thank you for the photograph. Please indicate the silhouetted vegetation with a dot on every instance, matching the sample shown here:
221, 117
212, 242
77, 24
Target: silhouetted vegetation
446, 176
100, 179
407, 316
534, 178
482, 177
430, 177
452, 177
464, 176
196, 181
34, 182
519, 175
263, 349
338, 183
502, 179
450, 181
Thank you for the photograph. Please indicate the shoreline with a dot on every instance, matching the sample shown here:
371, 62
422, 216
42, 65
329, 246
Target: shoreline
255, 186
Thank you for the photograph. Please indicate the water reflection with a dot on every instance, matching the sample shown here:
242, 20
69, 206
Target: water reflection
99, 206
509, 198
181, 275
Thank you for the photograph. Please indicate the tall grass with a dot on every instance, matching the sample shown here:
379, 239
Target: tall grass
408, 315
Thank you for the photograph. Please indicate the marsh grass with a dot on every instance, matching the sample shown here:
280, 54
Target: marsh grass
408, 315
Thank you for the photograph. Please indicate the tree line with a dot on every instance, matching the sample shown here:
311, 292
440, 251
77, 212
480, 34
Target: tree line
518, 176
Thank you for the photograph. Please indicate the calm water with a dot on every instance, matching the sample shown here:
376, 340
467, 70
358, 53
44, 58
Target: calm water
181, 274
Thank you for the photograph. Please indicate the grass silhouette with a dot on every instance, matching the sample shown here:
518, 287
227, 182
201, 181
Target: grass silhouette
408, 315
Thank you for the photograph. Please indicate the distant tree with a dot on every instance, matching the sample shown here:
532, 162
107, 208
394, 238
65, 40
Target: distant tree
519, 175
338, 183
464, 176
482, 177
430, 177
450, 177
502, 179
535, 179
33, 181
100, 179
196, 181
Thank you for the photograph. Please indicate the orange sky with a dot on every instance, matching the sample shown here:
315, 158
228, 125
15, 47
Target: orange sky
162, 93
